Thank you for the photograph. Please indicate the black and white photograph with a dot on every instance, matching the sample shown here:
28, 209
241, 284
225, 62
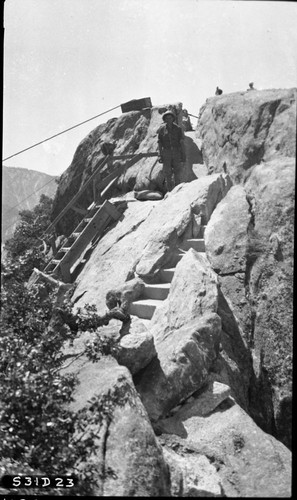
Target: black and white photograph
147, 248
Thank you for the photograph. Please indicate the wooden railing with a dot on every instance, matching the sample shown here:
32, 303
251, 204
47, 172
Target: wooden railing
118, 170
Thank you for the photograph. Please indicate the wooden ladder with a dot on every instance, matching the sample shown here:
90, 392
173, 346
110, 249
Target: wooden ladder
95, 220
67, 258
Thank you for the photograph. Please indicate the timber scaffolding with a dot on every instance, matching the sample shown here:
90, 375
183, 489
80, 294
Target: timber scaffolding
96, 218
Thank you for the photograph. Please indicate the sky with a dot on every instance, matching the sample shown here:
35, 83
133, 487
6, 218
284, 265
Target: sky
66, 61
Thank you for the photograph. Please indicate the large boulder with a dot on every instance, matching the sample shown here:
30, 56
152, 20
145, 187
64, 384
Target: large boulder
136, 350
201, 402
233, 365
187, 332
127, 448
226, 234
226, 243
248, 462
249, 242
271, 257
192, 476
239, 130
182, 365
193, 292
127, 131
124, 295
133, 132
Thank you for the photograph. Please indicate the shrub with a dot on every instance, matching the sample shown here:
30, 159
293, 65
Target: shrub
38, 431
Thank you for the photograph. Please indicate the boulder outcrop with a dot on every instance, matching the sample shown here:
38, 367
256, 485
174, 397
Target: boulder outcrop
177, 213
187, 335
247, 461
133, 132
211, 371
249, 242
147, 237
226, 242
127, 447
136, 350
270, 273
240, 130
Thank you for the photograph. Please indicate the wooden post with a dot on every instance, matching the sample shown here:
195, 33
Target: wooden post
94, 190
110, 162
53, 243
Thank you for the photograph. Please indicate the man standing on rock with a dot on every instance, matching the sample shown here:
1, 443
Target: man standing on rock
171, 150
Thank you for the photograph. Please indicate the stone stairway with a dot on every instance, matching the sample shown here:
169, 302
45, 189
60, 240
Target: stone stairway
155, 293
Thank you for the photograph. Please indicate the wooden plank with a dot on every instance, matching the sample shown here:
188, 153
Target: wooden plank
136, 104
53, 244
79, 210
105, 191
94, 190
117, 171
127, 157
65, 272
98, 223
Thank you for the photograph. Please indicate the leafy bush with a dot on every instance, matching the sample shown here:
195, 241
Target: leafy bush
31, 227
25, 250
34, 418
38, 431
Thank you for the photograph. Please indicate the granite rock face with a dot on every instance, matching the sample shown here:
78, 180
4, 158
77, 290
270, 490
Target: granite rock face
136, 350
226, 242
177, 211
187, 333
211, 371
247, 461
192, 475
226, 234
241, 129
133, 132
257, 289
146, 238
270, 285
130, 448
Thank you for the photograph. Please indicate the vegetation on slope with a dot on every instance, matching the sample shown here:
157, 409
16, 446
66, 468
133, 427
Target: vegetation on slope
38, 432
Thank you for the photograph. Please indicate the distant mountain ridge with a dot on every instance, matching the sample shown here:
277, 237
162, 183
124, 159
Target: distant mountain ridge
21, 190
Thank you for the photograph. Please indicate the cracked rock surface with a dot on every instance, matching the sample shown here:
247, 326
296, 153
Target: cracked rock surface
209, 403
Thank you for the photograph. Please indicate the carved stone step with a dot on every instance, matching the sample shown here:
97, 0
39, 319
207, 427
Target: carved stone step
167, 274
157, 291
197, 244
176, 258
144, 308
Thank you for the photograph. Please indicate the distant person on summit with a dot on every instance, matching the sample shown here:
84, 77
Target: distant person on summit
171, 149
251, 86
218, 91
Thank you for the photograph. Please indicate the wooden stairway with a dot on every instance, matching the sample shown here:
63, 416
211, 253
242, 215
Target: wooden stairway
71, 254
154, 294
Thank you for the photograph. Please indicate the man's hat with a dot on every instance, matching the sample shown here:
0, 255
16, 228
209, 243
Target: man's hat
167, 113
